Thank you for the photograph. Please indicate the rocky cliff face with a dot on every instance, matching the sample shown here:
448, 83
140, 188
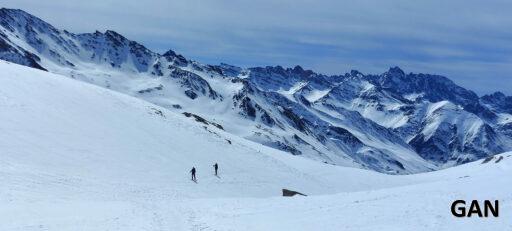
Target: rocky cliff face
393, 122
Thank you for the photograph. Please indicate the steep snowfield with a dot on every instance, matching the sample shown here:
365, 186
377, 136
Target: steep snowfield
79, 157
378, 122
60, 126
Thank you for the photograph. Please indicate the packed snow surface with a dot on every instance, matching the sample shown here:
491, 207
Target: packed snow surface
75, 156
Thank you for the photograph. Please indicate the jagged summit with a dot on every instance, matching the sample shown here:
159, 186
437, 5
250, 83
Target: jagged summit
74, 154
283, 72
494, 96
114, 34
396, 71
391, 122
177, 59
298, 68
355, 73
16, 18
8, 11
170, 53
498, 102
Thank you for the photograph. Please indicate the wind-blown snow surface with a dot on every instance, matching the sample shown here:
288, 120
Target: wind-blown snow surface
79, 157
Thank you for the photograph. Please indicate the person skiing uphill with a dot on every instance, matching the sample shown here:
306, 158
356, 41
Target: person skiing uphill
216, 167
193, 172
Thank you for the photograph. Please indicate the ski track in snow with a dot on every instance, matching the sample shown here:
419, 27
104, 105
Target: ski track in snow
78, 157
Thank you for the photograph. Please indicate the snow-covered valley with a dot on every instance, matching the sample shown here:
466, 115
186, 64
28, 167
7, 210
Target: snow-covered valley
394, 122
98, 132
75, 156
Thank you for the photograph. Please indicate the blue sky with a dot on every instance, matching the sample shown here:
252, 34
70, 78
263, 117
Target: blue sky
468, 41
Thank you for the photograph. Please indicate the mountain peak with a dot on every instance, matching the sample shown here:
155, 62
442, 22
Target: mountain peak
494, 98
355, 73
498, 94
498, 101
16, 18
278, 68
396, 70
298, 68
169, 53
265, 94
115, 35
4, 10
17, 13
178, 59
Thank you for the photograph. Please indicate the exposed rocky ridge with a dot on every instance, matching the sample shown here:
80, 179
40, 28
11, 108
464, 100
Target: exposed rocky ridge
393, 122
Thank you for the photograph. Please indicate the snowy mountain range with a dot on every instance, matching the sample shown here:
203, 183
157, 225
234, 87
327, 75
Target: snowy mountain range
394, 122
78, 156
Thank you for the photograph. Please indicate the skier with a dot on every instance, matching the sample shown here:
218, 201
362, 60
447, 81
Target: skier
216, 167
193, 171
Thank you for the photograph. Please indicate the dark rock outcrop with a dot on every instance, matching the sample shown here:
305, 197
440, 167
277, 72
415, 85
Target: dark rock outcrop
290, 193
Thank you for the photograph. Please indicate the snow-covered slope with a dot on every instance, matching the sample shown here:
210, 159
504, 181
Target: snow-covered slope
374, 122
77, 156
419, 206
54, 126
